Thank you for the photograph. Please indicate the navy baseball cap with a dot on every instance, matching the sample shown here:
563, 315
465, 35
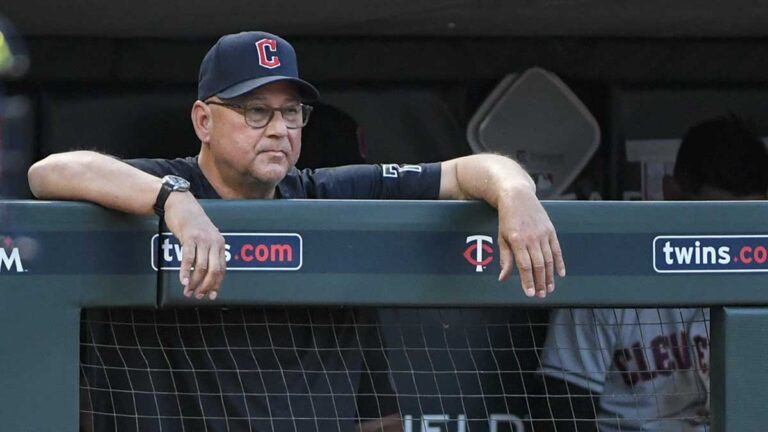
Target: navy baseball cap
239, 63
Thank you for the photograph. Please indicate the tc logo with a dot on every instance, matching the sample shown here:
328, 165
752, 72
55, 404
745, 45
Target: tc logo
269, 60
474, 253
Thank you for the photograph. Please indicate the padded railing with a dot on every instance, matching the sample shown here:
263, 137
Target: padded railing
58, 258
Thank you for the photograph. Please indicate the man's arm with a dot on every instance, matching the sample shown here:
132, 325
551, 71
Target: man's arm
101, 179
574, 367
526, 234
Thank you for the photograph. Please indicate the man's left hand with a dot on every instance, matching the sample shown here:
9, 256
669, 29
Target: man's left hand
527, 236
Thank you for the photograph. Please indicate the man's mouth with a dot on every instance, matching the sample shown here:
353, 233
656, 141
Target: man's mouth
273, 153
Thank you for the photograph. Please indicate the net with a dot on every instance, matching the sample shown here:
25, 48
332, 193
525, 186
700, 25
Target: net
626, 369
447, 369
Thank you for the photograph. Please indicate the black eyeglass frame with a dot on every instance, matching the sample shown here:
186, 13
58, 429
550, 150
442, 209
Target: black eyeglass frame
306, 110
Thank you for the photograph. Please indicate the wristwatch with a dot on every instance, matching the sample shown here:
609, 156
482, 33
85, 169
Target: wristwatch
171, 183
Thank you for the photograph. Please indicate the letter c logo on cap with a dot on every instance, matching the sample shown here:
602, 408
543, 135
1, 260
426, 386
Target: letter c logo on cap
268, 59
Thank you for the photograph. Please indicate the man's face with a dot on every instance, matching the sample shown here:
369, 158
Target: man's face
264, 154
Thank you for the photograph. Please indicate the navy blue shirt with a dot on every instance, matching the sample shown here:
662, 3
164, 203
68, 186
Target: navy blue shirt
387, 181
273, 369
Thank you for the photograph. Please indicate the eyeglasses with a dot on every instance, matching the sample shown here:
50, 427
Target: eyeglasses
295, 116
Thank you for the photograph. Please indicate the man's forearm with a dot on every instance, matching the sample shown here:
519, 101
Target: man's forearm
526, 237
94, 177
483, 176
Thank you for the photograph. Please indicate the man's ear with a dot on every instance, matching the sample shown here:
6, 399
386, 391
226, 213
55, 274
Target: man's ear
202, 121
672, 189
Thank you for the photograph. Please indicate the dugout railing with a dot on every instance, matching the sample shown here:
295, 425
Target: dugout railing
58, 258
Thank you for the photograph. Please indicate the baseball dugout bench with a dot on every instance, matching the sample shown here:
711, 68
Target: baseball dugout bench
60, 258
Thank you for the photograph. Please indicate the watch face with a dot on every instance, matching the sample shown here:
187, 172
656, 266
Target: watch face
177, 183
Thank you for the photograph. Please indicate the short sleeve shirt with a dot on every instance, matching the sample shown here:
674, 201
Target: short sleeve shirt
649, 367
267, 368
385, 181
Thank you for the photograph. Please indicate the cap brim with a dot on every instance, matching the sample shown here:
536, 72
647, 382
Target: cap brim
306, 90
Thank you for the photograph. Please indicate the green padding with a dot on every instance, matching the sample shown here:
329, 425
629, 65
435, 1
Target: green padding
608, 248
42, 296
739, 380
73, 255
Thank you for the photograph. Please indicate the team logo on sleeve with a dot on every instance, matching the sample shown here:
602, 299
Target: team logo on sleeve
394, 170
268, 53
479, 253
242, 251
710, 254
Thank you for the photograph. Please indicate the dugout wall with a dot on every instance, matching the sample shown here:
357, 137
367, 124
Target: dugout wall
58, 258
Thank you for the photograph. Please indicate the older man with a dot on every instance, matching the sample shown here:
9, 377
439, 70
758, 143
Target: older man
250, 111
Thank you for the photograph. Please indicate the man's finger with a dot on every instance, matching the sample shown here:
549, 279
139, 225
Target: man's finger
215, 274
187, 259
539, 269
506, 263
557, 254
549, 265
223, 267
523, 260
201, 270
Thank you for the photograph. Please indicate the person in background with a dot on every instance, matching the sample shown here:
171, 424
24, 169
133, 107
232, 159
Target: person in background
648, 369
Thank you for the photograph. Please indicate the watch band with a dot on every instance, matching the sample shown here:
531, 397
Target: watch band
162, 197
170, 184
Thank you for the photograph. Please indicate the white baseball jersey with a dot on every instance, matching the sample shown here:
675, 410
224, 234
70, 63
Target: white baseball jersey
649, 368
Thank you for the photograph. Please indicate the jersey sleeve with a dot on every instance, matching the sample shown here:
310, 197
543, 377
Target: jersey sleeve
386, 181
156, 167
578, 348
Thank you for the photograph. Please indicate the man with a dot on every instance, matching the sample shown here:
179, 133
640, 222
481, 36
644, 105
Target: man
648, 369
248, 116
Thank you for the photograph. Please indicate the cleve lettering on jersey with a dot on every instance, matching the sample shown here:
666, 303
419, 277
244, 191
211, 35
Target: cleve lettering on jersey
664, 355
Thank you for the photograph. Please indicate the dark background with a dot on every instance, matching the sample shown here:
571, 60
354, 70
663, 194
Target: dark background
121, 76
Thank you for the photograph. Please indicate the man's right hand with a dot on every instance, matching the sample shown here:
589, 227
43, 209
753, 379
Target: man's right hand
102, 179
202, 264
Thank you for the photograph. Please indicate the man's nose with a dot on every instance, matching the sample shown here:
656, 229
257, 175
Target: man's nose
276, 125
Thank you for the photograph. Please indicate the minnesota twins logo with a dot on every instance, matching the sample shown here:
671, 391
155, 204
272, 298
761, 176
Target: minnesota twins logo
269, 60
480, 244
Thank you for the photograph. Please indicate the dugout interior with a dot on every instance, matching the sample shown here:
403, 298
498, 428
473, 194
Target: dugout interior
413, 94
